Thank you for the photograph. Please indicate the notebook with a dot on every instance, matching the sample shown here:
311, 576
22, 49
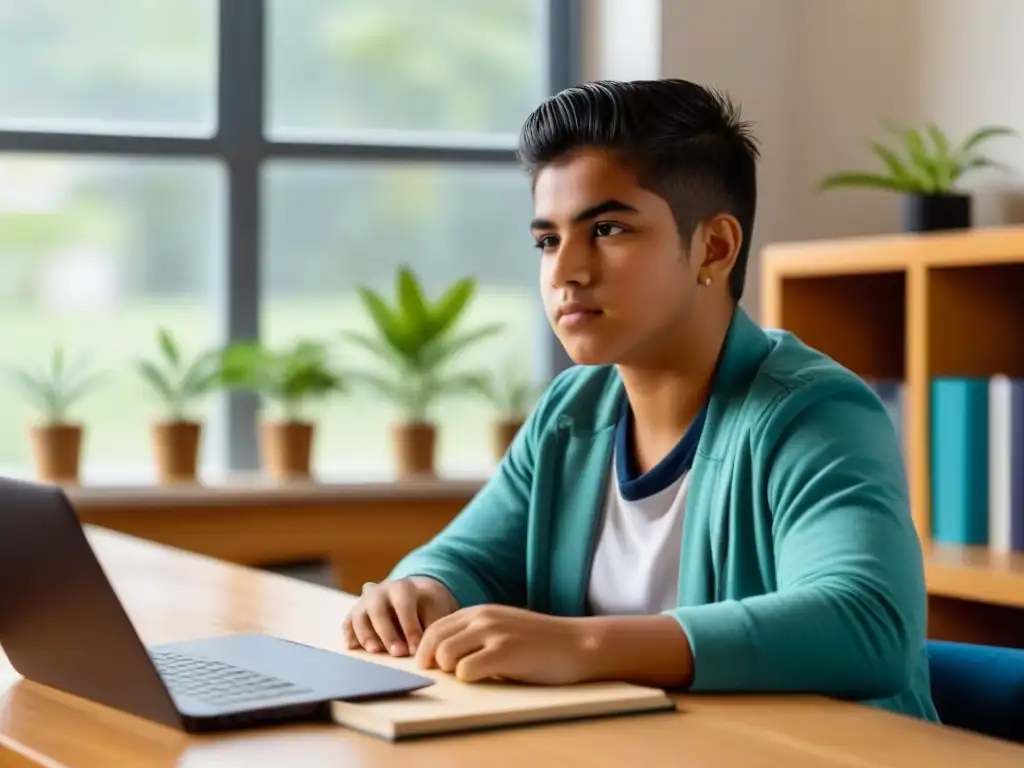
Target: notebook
450, 706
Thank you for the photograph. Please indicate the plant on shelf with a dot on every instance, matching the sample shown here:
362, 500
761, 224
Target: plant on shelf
288, 380
925, 169
180, 384
418, 340
54, 391
512, 395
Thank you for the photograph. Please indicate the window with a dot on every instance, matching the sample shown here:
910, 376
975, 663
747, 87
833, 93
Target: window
95, 255
403, 65
232, 168
111, 66
331, 226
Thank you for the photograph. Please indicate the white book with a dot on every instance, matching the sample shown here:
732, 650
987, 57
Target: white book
1000, 462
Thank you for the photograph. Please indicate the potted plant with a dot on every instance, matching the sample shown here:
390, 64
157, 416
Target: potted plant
288, 380
417, 340
926, 174
179, 384
512, 395
56, 439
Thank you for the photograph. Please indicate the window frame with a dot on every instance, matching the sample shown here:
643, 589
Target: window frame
241, 146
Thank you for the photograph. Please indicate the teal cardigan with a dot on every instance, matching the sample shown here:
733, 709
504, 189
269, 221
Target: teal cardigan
801, 568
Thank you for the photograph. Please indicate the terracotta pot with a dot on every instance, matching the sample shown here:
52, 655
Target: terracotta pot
414, 444
176, 450
287, 448
57, 449
503, 432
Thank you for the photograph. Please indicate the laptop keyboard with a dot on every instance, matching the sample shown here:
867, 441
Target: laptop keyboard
219, 684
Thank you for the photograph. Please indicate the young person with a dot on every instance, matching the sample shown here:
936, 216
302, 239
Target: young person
699, 503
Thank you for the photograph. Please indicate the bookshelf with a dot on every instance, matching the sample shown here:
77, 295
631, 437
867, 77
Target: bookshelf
915, 307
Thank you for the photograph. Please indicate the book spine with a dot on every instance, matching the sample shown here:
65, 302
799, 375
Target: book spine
1000, 465
1015, 521
959, 460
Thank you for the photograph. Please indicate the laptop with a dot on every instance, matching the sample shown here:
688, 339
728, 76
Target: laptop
62, 625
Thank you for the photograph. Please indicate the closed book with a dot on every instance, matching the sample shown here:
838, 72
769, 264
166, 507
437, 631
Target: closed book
1015, 524
451, 706
960, 460
1006, 464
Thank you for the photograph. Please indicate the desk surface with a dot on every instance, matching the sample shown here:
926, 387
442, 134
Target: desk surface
173, 595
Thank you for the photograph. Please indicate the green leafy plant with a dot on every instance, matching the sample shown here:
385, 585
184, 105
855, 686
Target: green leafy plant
290, 377
418, 340
509, 392
179, 383
929, 164
56, 389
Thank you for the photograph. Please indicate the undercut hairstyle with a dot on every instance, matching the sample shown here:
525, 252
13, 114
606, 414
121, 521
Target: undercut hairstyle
685, 142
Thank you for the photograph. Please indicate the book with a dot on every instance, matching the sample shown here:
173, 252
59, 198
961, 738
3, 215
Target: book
451, 706
1006, 464
960, 460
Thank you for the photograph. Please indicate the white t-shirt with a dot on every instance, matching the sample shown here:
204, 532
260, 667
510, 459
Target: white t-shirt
635, 569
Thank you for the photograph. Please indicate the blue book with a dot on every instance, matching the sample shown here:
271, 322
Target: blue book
959, 460
1017, 470
1017, 508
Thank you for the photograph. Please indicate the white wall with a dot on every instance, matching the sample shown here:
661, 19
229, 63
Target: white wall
817, 76
955, 62
622, 39
746, 48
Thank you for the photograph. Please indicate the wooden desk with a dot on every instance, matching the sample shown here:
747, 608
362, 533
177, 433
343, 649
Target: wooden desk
173, 595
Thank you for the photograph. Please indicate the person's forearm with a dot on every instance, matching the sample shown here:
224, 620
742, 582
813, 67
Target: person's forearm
846, 642
646, 650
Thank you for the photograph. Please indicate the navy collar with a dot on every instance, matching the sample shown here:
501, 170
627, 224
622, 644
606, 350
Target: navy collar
632, 484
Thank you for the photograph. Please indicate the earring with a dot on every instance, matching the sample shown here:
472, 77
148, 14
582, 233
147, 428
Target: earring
706, 280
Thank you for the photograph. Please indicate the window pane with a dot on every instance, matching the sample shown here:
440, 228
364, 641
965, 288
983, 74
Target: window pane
95, 254
474, 66
146, 66
330, 227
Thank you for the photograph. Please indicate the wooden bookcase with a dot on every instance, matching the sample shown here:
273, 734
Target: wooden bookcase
913, 307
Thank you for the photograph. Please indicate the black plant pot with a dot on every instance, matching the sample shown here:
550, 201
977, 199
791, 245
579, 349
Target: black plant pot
929, 213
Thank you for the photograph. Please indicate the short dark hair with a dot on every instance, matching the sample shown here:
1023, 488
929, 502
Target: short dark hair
686, 142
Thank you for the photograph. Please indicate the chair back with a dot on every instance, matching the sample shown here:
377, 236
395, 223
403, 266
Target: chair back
979, 687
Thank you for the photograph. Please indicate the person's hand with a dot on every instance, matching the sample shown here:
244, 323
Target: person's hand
393, 615
495, 641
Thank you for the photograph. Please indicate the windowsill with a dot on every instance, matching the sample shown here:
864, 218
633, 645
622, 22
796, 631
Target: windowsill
137, 487
256, 490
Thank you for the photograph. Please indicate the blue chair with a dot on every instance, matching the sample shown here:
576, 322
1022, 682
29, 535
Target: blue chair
979, 687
